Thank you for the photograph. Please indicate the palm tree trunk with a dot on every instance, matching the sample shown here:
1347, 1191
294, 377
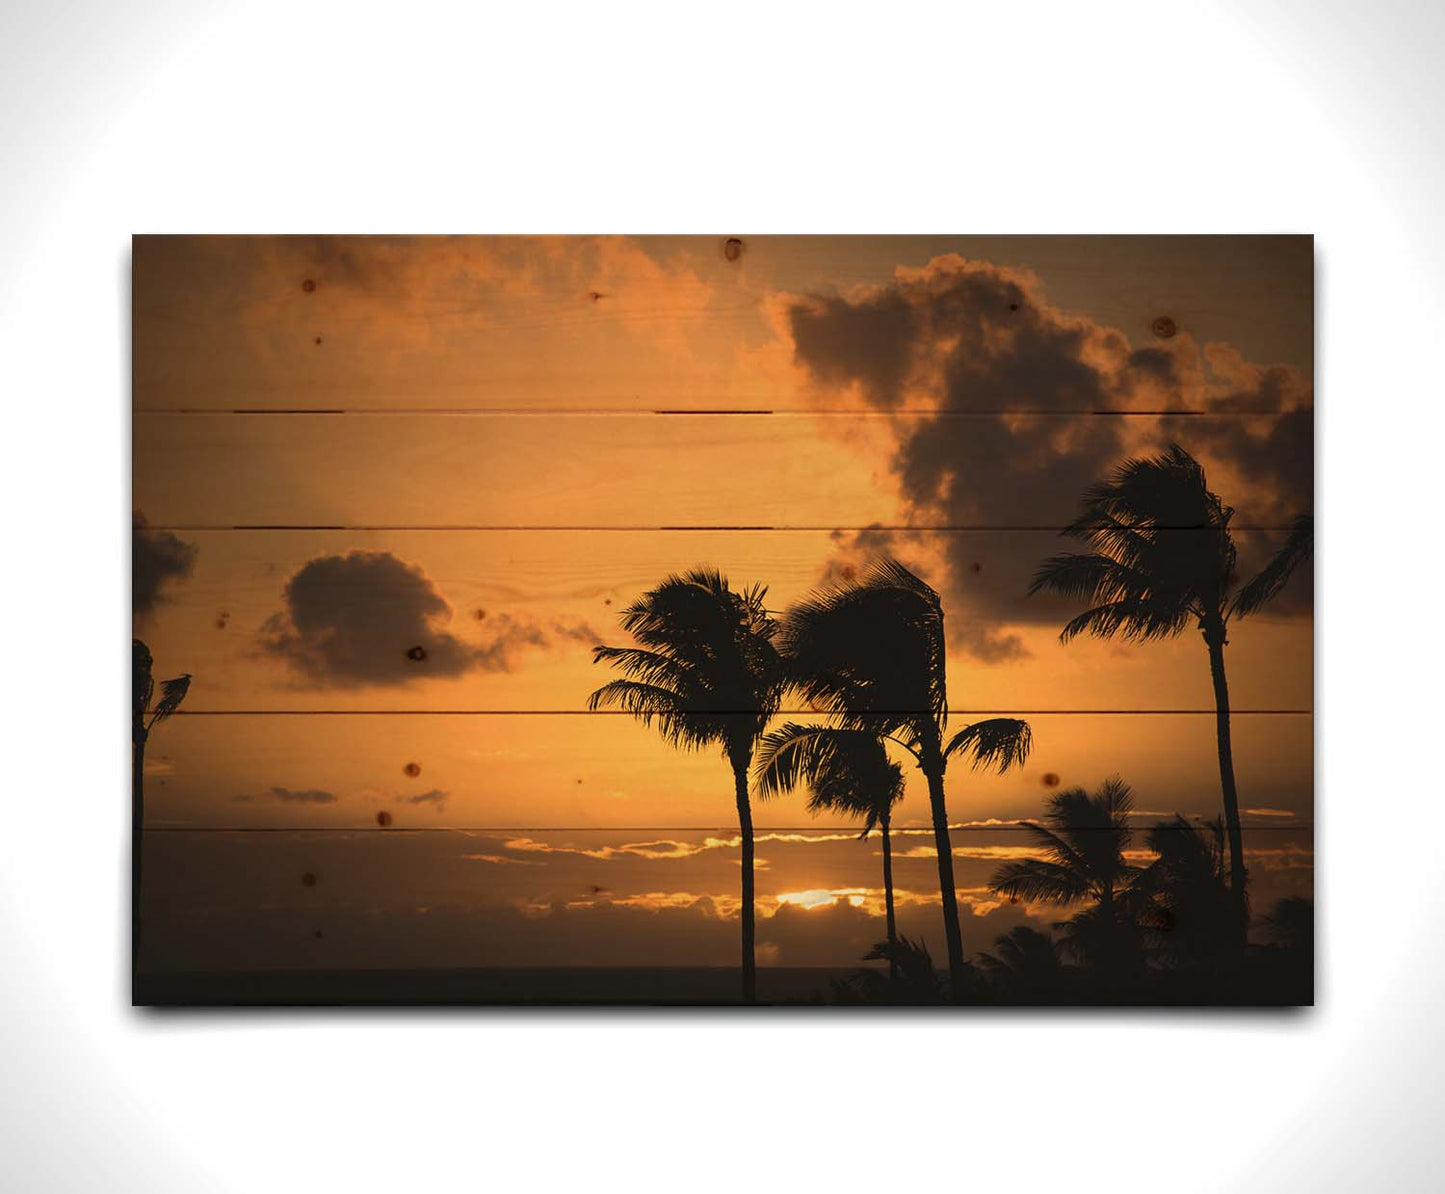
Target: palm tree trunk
952, 933
137, 820
888, 900
1214, 637
745, 827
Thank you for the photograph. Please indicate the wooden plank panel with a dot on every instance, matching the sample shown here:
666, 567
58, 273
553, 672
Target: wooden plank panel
577, 901
647, 471
537, 770
507, 619
640, 323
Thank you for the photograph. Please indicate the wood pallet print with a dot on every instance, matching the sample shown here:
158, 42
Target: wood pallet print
723, 620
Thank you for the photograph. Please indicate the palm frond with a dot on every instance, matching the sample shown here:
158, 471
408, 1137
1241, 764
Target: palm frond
142, 683
999, 742
847, 771
1274, 576
871, 652
173, 692
1039, 882
1135, 620
1161, 551
650, 704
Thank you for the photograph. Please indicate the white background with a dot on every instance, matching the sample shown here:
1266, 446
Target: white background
256, 117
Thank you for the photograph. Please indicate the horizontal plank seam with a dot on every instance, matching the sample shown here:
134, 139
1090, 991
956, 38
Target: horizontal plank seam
852, 830
981, 528
634, 412
1201, 712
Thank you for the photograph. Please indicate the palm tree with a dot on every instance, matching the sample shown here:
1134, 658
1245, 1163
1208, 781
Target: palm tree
1162, 556
1027, 962
1083, 842
848, 772
871, 653
144, 718
707, 674
1188, 886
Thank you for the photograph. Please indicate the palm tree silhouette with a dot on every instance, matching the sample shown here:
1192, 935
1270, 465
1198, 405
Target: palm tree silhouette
1083, 842
1027, 962
848, 772
1163, 556
871, 653
144, 718
707, 673
1188, 886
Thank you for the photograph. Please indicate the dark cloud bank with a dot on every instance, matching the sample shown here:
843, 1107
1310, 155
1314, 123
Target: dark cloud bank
369, 617
969, 338
159, 559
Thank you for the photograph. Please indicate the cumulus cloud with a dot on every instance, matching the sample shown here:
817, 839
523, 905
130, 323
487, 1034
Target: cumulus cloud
988, 384
369, 617
159, 559
291, 796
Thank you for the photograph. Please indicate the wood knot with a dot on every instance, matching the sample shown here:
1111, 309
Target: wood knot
416, 654
412, 769
732, 248
309, 285
1164, 327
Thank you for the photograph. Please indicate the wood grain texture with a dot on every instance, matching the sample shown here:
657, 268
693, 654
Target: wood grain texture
538, 770
507, 619
485, 323
601, 471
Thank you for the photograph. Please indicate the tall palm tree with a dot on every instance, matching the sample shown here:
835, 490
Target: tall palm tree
1162, 556
1083, 840
847, 772
707, 674
144, 718
871, 653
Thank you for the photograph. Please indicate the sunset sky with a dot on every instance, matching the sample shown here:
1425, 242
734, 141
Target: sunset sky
347, 449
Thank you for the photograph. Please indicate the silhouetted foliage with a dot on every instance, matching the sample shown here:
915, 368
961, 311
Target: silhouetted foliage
913, 978
1083, 841
846, 771
145, 716
706, 673
1188, 886
1162, 556
1027, 965
872, 654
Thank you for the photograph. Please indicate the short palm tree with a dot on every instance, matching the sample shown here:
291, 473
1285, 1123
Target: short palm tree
847, 772
144, 718
1188, 886
871, 654
707, 674
1082, 842
1027, 962
1161, 557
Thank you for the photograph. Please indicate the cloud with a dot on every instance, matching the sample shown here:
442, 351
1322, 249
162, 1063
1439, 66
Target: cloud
436, 796
292, 796
977, 369
670, 848
368, 617
158, 560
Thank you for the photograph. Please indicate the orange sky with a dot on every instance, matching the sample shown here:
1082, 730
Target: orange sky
942, 383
